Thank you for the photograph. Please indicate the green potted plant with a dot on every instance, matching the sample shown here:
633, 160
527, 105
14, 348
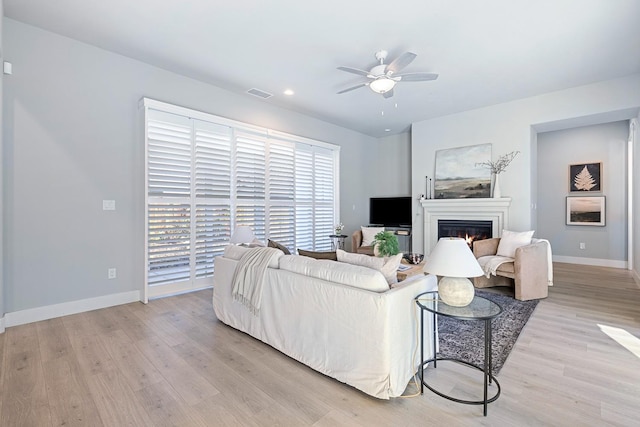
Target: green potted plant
385, 243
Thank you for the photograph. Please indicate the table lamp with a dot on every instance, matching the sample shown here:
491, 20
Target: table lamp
452, 259
242, 235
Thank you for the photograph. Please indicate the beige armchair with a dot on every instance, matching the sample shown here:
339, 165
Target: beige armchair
528, 273
356, 244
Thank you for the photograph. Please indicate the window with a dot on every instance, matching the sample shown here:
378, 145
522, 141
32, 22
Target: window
205, 175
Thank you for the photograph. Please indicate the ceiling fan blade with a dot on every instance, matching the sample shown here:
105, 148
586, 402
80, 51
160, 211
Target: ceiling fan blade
354, 71
353, 88
388, 94
416, 77
400, 62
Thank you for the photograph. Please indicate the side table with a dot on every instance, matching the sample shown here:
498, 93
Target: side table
480, 309
337, 241
412, 270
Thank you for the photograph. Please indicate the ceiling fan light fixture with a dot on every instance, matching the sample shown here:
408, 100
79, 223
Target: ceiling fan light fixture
382, 84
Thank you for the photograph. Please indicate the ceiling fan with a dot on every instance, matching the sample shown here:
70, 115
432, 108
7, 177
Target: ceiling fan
383, 77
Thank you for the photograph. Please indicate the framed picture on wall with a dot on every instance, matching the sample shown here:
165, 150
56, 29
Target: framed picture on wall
458, 175
585, 177
589, 210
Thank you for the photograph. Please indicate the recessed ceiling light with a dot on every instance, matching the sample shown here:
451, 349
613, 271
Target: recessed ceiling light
289, 92
387, 130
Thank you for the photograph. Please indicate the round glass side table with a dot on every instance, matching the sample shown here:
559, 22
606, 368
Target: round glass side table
480, 309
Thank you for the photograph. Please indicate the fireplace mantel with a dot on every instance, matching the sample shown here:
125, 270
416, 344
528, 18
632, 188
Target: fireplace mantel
495, 210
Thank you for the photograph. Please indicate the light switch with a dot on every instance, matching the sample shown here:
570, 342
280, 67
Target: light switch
108, 205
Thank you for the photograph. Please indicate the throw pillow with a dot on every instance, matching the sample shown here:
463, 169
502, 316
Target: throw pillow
360, 259
319, 255
257, 244
236, 252
274, 244
388, 266
369, 233
512, 240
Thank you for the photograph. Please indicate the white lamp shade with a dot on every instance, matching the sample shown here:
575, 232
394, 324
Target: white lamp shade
382, 85
242, 234
452, 258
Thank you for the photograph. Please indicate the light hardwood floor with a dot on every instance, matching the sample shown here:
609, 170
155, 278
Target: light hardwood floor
172, 363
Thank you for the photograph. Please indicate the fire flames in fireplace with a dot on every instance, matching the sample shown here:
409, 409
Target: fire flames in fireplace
469, 230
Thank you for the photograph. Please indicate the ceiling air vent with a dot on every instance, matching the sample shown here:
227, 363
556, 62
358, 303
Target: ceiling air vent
259, 93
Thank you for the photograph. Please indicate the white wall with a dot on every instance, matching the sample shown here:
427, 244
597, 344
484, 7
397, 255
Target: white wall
606, 143
513, 126
2, 167
391, 173
636, 199
72, 138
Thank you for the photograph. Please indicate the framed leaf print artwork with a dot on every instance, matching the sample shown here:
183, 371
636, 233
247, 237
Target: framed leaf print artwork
588, 210
585, 177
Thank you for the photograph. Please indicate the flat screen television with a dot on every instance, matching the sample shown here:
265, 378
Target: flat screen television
390, 211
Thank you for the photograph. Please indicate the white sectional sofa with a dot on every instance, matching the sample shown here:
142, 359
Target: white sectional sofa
323, 314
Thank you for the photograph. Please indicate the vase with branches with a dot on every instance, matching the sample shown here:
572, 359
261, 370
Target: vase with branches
497, 167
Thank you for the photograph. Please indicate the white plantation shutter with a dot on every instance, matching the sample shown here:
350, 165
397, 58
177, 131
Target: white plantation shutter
315, 177
207, 175
281, 192
169, 189
304, 197
169, 242
250, 181
169, 155
213, 193
324, 197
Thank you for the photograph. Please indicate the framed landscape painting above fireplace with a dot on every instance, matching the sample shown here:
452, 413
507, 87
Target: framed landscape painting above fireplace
458, 175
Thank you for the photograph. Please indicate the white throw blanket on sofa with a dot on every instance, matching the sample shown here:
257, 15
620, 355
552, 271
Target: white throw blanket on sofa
248, 277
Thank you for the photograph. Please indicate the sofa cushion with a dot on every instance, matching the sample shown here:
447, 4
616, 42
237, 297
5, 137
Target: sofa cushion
369, 233
331, 271
318, 255
274, 244
388, 266
235, 252
512, 240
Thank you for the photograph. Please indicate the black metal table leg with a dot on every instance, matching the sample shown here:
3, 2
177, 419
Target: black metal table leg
421, 351
487, 361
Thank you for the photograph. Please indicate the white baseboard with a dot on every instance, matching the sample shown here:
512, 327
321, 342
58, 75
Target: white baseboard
591, 261
636, 277
1, 324
73, 307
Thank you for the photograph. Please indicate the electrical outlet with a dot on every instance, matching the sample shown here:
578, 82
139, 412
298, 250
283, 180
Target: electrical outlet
111, 273
582, 245
108, 205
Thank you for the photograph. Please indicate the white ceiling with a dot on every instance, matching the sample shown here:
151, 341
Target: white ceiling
486, 52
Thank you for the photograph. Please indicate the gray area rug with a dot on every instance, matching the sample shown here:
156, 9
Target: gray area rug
465, 339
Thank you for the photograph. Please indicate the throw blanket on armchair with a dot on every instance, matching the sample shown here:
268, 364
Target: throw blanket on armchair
490, 263
248, 277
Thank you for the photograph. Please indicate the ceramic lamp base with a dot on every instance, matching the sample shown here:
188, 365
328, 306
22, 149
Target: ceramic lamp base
456, 291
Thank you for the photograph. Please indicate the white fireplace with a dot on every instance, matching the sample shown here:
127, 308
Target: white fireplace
495, 210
